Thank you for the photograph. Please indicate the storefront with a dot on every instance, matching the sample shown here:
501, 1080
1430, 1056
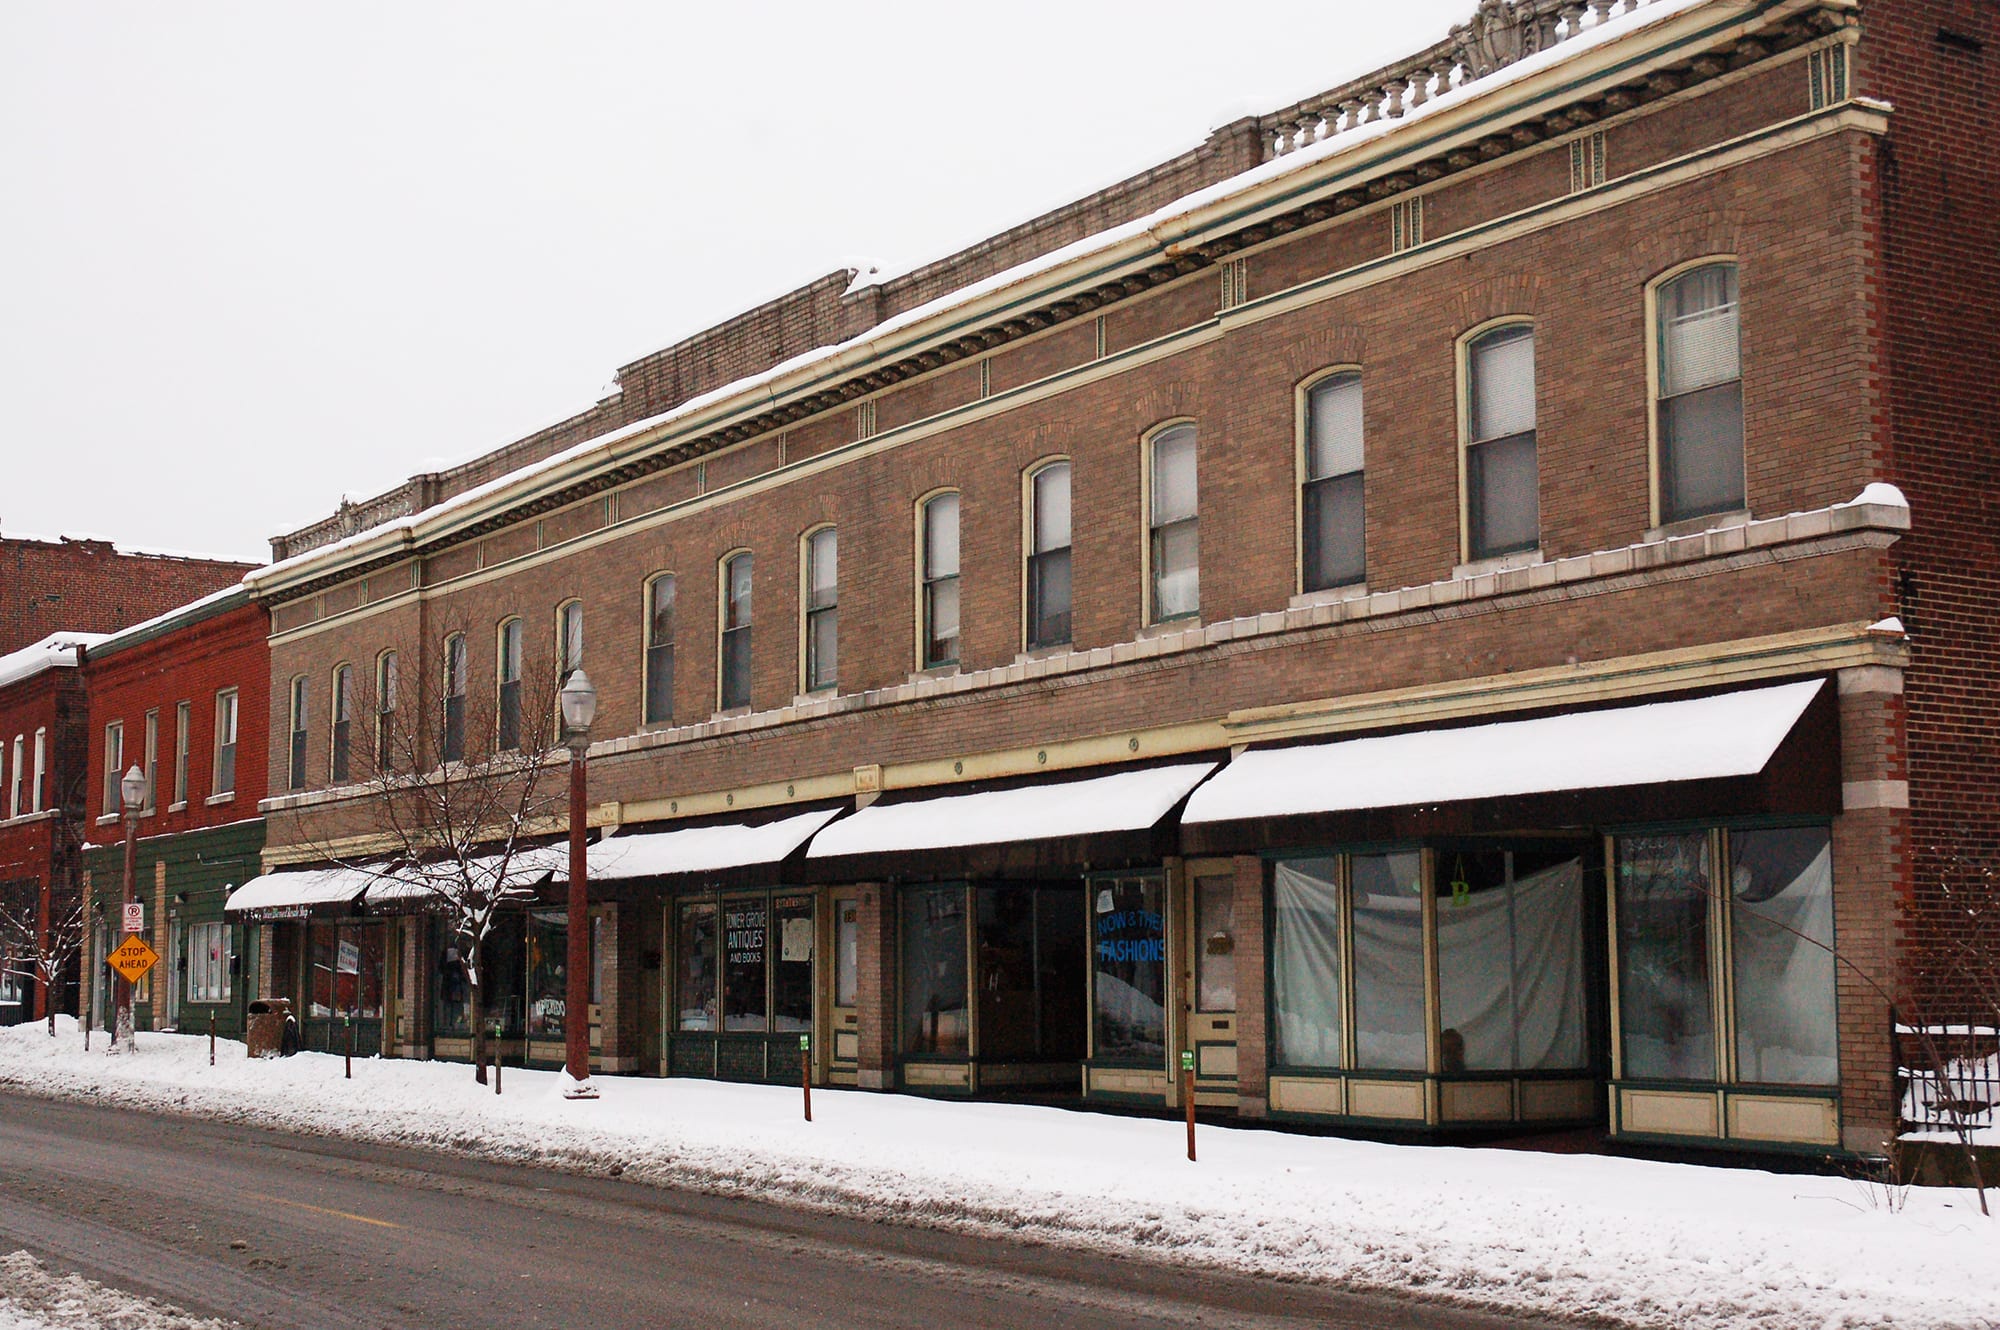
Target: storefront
325, 956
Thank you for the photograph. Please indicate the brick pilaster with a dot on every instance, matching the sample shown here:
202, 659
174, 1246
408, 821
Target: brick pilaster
875, 956
1252, 1060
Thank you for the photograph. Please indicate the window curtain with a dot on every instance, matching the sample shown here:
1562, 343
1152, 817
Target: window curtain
1511, 974
1305, 963
1781, 891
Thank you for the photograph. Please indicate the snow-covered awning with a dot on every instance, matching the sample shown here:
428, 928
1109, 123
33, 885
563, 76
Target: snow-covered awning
414, 887
300, 893
1703, 738
703, 849
1127, 801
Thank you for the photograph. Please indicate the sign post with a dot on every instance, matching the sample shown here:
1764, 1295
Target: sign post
806, 1072
1187, 1096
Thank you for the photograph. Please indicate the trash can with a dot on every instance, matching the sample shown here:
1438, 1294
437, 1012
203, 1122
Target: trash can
268, 1033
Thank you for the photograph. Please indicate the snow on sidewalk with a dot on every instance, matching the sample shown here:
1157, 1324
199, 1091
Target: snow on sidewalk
34, 1298
1641, 1243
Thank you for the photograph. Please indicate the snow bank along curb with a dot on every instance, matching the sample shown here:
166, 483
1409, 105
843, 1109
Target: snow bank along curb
34, 1298
1620, 1241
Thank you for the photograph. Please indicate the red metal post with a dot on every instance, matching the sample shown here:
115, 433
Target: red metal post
576, 1006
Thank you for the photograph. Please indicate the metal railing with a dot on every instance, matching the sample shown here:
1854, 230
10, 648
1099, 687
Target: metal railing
1948, 1077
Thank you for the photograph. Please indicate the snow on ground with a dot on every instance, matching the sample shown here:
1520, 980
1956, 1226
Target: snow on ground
35, 1298
1632, 1242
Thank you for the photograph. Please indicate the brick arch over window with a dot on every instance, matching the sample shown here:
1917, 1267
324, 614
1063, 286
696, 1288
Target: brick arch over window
1304, 357
1514, 296
1690, 236
1155, 406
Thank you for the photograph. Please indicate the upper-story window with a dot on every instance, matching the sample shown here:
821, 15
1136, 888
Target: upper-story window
114, 766
14, 776
453, 747
822, 609
1172, 515
569, 640
340, 707
152, 762
386, 684
1048, 575
40, 774
1332, 551
507, 672
939, 571
297, 767
225, 742
1502, 480
735, 672
1700, 410
660, 594
183, 735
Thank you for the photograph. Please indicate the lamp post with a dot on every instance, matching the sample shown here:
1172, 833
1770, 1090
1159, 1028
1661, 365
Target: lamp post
132, 788
579, 708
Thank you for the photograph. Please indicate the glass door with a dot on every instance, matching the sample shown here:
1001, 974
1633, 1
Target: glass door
1211, 964
842, 1056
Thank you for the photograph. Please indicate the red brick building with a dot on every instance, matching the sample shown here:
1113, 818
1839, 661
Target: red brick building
85, 585
1398, 605
184, 698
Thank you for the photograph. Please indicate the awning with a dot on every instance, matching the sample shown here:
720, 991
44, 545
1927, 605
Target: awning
413, 887
1705, 738
300, 893
703, 849
1127, 801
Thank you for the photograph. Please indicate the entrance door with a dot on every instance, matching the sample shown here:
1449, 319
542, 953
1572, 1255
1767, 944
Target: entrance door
175, 972
1209, 961
843, 1035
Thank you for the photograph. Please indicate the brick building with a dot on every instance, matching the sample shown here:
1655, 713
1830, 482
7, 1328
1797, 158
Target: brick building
1398, 603
184, 698
81, 584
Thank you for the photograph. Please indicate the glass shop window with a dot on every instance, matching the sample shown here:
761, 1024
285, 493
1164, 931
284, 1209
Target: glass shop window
792, 975
846, 954
1388, 911
697, 965
934, 971
746, 936
1510, 939
1666, 1016
548, 965
1306, 975
1129, 986
1781, 949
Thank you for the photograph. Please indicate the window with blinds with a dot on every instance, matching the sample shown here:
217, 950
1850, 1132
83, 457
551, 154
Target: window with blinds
822, 609
1332, 549
1176, 530
1700, 420
1502, 479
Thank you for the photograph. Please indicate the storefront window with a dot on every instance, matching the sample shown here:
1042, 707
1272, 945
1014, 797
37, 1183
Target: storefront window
746, 938
697, 966
1008, 1013
1510, 960
450, 1015
1389, 1020
548, 959
346, 973
791, 978
1305, 963
934, 987
1781, 900
1129, 991
1665, 1014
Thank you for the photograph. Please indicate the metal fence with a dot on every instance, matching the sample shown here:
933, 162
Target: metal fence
1965, 1093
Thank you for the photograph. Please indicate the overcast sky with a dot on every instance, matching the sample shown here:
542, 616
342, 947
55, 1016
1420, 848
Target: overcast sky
256, 256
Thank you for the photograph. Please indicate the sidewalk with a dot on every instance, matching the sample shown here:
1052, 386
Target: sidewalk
1636, 1242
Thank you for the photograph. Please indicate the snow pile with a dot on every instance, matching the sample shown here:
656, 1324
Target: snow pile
1623, 1241
32, 1298
57, 650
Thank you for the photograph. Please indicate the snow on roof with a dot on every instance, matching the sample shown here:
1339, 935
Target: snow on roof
703, 849
1162, 224
300, 888
145, 626
1124, 801
1728, 734
52, 652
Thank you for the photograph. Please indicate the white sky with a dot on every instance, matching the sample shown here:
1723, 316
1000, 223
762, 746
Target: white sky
256, 256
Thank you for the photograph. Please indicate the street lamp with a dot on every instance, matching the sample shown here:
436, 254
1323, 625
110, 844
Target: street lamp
579, 708
133, 790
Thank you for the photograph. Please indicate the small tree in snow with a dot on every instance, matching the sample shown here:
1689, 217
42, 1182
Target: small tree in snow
36, 954
452, 785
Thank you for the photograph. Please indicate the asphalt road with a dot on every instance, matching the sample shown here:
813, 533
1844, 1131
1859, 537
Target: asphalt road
274, 1230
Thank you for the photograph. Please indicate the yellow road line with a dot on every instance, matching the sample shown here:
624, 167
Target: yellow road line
322, 1210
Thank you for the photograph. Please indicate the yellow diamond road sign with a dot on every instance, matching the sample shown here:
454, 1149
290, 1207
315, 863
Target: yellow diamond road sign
133, 958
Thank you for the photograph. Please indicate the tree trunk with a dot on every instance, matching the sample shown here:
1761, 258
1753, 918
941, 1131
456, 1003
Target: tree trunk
474, 981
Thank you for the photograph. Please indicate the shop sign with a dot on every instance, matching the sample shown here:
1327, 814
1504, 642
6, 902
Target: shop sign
1131, 935
133, 958
349, 959
744, 937
796, 941
279, 913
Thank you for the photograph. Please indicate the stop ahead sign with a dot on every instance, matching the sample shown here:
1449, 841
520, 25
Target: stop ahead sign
133, 958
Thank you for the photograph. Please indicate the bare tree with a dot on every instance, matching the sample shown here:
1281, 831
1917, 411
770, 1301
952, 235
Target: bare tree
36, 949
452, 786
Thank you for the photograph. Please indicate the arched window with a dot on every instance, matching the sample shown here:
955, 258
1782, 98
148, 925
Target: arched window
1699, 413
452, 748
1502, 479
938, 532
735, 671
297, 766
821, 609
1048, 542
386, 667
1332, 551
660, 595
1174, 525
340, 708
507, 683
569, 640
